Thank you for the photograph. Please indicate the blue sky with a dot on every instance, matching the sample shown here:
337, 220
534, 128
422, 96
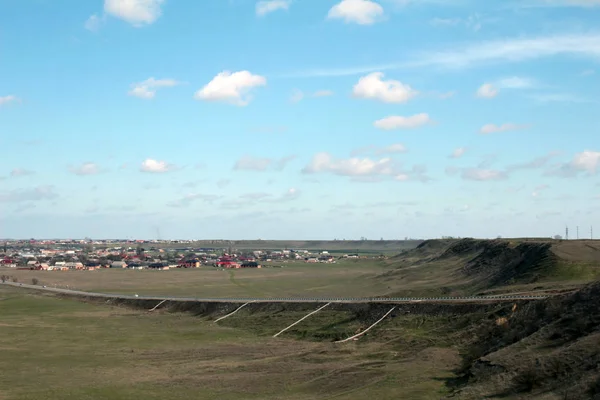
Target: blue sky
302, 119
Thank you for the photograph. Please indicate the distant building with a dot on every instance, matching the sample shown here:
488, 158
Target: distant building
118, 264
250, 264
227, 262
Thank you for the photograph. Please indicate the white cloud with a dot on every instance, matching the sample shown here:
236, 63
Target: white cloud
250, 163
372, 86
487, 91
558, 3
587, 160
536, 163
446, 95
481, 53
557, 98
323, 93
231, 87
324, 162
147, 89
515, 82
255, 196
93, 23
155, 166
514, 50
396, 148
8, 99
398, 122
445, 21
362, 12
85, 169
481, 174
266, 7
136, 12
297, 95
22, 195
17, 172
290, 194
538, 190
588, 72
472, 22
188, 199
492, 128
458, 152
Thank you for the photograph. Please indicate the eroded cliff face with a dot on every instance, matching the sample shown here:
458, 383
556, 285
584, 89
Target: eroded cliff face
550, 346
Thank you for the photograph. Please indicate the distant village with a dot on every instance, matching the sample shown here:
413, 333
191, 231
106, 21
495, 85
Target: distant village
65, 255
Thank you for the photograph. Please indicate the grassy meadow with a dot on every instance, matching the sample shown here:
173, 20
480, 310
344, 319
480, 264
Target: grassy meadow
345, 278
55, 348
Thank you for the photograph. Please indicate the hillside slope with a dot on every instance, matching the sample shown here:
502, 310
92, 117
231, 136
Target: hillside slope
471, 266
547, 349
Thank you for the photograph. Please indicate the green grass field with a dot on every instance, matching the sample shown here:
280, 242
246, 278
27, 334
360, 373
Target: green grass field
54, 348
346, 278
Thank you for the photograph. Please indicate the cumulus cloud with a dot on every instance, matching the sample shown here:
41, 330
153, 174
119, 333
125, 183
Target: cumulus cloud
372, 86
265, 7
363, 169
487, 91
88, 168
147, 89
492, 128
230, 87
399, 122
8, 99
585, 161
155, 166
17, 172
362, 12
136, 12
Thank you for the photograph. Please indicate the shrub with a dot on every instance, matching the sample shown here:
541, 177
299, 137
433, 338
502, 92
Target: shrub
34, 281
528, 379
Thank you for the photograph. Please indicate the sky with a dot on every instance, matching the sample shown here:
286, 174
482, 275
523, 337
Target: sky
299, 119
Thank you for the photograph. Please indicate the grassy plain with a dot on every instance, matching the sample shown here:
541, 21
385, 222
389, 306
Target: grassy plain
419, 272
55, 348
346, 278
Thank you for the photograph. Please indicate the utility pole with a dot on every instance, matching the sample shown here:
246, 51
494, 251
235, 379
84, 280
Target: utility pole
567, 233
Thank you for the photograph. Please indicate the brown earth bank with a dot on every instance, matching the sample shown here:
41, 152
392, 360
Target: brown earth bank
546, 349
474, 266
